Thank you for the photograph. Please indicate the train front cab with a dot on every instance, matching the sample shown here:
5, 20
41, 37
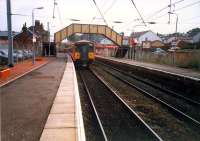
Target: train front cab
84, 54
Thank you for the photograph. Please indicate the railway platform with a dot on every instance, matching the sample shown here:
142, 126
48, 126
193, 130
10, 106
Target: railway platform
65, 122
187, 73
42, 103
22, 69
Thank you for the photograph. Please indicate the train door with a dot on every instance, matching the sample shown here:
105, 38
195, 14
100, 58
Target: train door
84, 52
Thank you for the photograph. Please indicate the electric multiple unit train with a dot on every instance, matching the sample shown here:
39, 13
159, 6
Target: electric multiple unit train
83, 53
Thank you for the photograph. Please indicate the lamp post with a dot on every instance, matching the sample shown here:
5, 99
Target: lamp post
34, 38
176, 38
75, 20
117, 22
139, 50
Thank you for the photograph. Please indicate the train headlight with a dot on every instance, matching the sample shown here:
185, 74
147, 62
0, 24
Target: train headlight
77, 55
91, 55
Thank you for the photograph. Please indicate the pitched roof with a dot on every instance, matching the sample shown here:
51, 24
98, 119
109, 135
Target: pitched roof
138, 34
196, 38
25, 34
5, 33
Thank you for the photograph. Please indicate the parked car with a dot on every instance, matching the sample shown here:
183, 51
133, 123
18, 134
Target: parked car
159, 51
3, 57
28, 53
18, 54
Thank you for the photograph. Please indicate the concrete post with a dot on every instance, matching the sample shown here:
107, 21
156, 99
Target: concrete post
10, 39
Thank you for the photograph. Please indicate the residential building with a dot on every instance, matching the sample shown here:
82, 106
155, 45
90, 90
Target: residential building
145, 36
105, 48
196, 38
4, 38
24, 39
178, 39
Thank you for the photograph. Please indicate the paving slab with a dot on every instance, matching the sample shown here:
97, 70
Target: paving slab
63, 108
26, 102
64, 93
60, 121
66, 134
64, 99
66, 112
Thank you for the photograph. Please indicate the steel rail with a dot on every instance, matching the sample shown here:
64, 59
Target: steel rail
165, 90
194, 121
129, 108
93, 106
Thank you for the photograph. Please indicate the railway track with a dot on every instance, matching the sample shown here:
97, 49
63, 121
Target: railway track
116, 119
193, 117
163, 89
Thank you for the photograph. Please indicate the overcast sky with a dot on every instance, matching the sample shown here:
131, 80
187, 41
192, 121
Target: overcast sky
114, 10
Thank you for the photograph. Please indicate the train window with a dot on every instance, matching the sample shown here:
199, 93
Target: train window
88, 46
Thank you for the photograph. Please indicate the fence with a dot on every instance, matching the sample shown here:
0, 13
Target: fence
180, 58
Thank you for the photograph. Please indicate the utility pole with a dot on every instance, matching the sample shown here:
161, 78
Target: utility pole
176, 25
176, 31
170, 10
34, 38
10, 40
54, 5
33, 32
49, 39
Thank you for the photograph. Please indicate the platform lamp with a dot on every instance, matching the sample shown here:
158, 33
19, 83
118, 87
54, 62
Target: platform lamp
34, 38
176, 39
74, 20
117, 22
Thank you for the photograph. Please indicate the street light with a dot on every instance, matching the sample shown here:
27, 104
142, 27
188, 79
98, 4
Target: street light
34, 38
176, 38
176, 20
75, 20
134, 51
10, 39
151, 22
117, 22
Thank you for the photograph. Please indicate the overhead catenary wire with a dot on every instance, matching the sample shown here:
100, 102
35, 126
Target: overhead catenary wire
189, 5
162, 9
104, 3
151, 16
190, 19
138, 12
110, 7
59, 15
26, 15
102, 16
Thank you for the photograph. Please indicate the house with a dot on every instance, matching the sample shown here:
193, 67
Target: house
196, 38
145, 36
157, 44
24, 39
105, 48
178, 39
4, 38
152, 44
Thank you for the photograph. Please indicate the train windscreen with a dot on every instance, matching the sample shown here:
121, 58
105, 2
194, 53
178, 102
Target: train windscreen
84, 49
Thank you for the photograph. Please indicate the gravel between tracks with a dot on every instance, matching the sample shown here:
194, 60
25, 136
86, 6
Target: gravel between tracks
192, 110
118, 122
92, 129
27, 101
159, 118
